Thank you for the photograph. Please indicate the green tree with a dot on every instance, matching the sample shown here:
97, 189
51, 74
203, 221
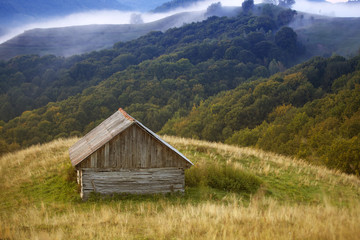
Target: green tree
247, 6
286, 39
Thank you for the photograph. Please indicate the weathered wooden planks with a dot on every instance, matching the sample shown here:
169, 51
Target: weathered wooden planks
139, 181
131, 149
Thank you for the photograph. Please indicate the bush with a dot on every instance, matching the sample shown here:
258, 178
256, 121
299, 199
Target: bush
344, 154
223, 177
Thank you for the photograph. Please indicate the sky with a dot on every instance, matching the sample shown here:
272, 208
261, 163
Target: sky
119, 17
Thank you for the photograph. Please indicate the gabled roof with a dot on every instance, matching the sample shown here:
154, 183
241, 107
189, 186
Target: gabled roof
106, 131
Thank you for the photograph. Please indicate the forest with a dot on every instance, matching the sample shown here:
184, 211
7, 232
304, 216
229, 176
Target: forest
168, 71
311, 111
29, 82
224, 79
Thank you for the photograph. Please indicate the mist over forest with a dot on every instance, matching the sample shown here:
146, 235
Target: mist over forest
119, 14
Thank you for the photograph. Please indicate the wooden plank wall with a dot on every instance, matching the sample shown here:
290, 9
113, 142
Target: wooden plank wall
134, 148
139, 181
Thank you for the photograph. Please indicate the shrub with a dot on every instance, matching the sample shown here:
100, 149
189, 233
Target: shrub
223, 177
344, 154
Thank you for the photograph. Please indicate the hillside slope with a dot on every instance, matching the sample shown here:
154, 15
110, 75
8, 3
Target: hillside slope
73, 40
14, 13
39, 199
154, 76
311, 111
325, 36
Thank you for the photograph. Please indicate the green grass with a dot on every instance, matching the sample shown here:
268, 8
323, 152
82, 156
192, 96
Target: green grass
222, 177
290, 184
55, 186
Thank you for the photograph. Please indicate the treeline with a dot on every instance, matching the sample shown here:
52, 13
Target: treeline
154, 77
311, 111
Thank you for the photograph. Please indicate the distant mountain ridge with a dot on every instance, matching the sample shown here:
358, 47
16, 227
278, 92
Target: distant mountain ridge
14, 13
45, 8
68, 41
315, 32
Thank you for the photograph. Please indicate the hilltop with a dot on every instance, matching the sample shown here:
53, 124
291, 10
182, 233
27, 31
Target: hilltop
39, 199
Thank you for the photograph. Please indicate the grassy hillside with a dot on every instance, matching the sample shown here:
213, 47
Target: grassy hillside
39, 200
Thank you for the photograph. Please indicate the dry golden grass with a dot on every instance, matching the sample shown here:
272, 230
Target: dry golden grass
263, 217
24, 164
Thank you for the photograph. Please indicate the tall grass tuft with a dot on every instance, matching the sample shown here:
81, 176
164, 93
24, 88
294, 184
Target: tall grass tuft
223, 177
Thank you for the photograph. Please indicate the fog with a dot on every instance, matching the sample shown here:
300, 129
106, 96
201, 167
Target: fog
328, 9
85, 18
107, 17
120, 17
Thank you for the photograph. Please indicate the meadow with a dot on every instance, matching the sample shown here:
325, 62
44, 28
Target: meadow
291, 199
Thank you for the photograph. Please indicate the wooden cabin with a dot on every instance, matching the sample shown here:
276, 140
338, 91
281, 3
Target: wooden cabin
121, 155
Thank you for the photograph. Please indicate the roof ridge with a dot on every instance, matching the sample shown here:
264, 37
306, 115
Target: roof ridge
126, 115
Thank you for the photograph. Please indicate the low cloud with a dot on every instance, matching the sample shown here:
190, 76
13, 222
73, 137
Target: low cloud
328, 9
85, 18
121, 17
